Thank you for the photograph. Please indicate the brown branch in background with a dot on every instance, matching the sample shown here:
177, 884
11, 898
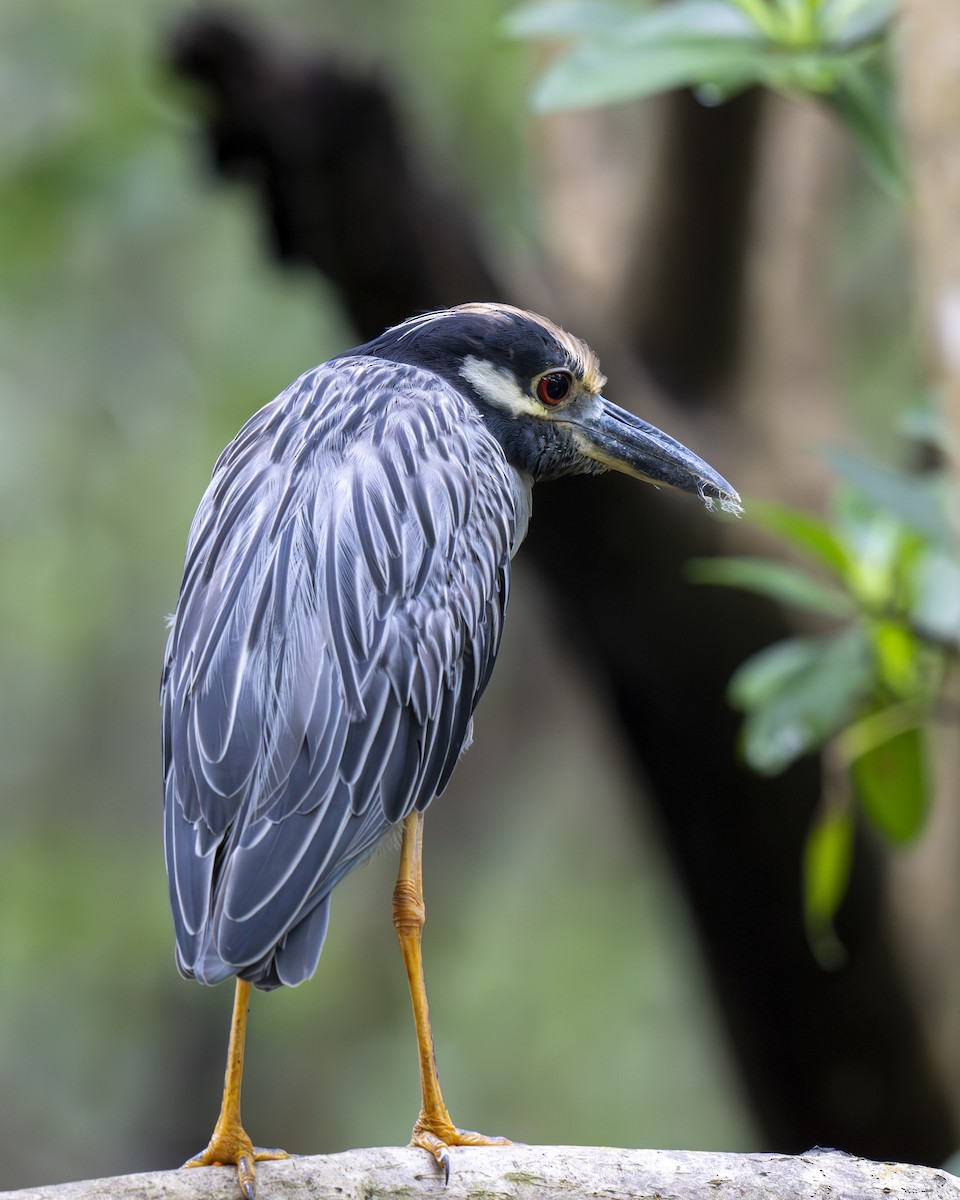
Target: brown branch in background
929, 41
829, 1059
927, 893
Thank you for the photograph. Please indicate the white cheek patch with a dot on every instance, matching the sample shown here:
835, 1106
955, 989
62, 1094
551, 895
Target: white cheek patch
500, 388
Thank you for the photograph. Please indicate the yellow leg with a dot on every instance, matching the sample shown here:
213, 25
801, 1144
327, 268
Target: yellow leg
230, 1144
434, 1130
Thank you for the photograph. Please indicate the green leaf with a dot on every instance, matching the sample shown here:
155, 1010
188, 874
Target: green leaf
641, 25
715, 46
797, 22
599, 73
893, 786
874, 729
766, 18
798, 694
883, 552
827, 857
698, 20
936, 607
899, 657
637, 53
570, 18
850, 22
863, 100
778, 580
917, 501
804, 531
764, 675
801, 71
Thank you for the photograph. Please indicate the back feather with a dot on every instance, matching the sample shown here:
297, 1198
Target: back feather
341, 609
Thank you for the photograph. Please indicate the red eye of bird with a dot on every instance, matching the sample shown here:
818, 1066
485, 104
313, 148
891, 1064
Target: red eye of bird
554, 387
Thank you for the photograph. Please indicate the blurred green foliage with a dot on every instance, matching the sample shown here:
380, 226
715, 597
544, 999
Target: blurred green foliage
623, 49
885, 572
140, 324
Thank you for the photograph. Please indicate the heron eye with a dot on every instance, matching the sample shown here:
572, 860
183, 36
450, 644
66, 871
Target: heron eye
554, 387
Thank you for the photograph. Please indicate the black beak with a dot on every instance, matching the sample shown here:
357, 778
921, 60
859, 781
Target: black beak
619, 440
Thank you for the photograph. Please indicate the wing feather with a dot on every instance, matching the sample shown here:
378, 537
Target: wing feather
343, 595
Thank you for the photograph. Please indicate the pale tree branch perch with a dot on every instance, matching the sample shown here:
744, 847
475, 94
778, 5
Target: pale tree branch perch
529, 1172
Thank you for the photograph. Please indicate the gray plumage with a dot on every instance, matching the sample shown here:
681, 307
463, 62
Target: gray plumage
342, 604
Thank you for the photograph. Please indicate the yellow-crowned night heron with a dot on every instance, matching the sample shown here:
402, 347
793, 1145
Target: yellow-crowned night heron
343, 597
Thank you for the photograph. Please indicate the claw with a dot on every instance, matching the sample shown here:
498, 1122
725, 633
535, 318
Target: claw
236, 1149
437, 1137
247, 1177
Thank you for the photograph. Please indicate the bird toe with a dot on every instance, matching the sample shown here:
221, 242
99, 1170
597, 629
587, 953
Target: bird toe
437, 1138
233, 1148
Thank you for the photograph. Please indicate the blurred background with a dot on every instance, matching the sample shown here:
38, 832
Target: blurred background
191, 209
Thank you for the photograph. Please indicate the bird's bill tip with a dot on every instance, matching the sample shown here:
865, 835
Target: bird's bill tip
623, 442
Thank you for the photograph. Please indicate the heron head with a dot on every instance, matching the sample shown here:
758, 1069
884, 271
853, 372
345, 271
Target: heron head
539, 389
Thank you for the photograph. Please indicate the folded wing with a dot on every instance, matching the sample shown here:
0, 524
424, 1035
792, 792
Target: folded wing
341, 609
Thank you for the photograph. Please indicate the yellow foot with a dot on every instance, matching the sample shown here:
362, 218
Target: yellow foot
232, 1147
438, 1134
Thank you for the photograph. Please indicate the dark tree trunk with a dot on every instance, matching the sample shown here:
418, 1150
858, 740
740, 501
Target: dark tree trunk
700, 227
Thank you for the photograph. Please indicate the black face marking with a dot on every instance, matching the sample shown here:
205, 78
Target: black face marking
522, 343
516, 368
